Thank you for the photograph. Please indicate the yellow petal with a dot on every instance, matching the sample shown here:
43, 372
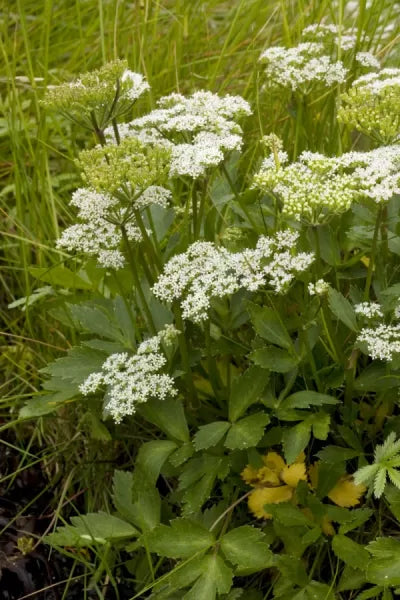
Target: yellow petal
250, 475
261, 496
346, 493
273, 461
268, 477
294, 473
301, 458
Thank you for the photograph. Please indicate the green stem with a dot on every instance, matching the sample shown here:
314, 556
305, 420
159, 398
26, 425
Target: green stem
211, 366
98, 132
184, 351
147, 241
143, 304
238, 198
373, 253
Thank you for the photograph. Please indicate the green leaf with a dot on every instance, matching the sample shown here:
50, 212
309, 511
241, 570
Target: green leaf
217, 577
181, 540
288, 515
392, 495
96, 319
342, 309
268, 325
246, 390
209, 435
247, 432
357, 517
245, 547
320, 424
43, 404
350, 552
295, 440
60, 276
335, 454
92, 528
274, 359
77, 365
151, 457
306, 399
375, 378
384, 567
122, 496
168, 415
197, 479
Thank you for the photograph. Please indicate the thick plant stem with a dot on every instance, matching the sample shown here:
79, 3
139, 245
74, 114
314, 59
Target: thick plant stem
184, 351
371, 264
132, 262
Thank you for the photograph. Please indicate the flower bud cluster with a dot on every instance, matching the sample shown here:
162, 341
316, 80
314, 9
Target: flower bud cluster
130, 164
317, 186
382, 341
372, 105
369, 310
198, 129
206, 271
132, 379
319, 288
106, 92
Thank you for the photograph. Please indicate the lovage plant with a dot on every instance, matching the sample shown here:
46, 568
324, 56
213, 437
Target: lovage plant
244, 328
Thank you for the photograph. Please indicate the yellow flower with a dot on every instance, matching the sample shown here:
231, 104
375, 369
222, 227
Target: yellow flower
346, 493
275, 482
261, 496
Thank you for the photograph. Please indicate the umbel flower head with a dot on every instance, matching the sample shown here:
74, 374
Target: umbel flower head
104, 94
133, 379
312, 62
101, 215
206, 271
317, 186
198, 129
372, 105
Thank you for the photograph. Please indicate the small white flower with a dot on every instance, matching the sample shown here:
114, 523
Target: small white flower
382, 341
369, 309
319, 288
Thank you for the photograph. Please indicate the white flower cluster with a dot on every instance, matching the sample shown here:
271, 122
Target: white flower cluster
206, 271
198, 129
133, 85
370, 310
317, 185
382, 341
376, 82
319, 288
131, 380
311, 60
98, 233
366, 59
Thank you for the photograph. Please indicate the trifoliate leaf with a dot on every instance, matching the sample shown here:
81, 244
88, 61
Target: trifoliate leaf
181, 540
245, 547
384, 568
217, 577
209, 435
247, 432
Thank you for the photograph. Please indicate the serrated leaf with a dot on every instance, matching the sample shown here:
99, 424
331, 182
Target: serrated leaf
294, 441
92, 528
197, 479
122, 496
342, 309
357, 518
43, 404
77, 365
247, 432
181, 539
350, 552
335, 454
268, 325
60, 276
392, 495
96, 319
245, 547
306, 399
274, 359
209, 435
246, 390
320, 425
